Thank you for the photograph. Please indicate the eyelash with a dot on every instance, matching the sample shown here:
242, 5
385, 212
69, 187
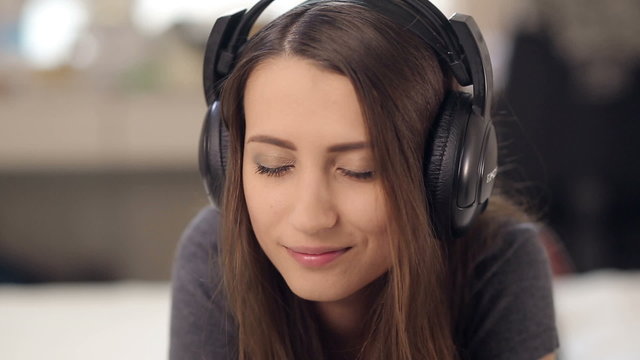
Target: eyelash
279, 171
358, 175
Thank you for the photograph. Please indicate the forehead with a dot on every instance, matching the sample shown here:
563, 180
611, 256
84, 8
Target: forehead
297, 99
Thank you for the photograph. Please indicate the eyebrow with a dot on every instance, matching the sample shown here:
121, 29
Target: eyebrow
266, 139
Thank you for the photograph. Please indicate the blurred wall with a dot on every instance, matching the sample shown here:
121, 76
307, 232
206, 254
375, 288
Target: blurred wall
98, 172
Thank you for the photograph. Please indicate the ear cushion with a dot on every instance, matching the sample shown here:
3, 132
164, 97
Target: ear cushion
441, 159
214, 142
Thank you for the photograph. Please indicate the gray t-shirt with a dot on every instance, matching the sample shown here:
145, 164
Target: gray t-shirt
511, 315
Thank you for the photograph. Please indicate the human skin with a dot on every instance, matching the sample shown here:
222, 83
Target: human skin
304, 123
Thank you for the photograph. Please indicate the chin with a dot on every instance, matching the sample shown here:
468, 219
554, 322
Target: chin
328, 293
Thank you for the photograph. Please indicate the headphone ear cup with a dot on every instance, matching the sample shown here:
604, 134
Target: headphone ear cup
212, 154
441, 160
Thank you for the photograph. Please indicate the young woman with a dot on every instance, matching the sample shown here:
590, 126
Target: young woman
329, 242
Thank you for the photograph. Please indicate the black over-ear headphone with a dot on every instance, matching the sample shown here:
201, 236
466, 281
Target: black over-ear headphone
461, 156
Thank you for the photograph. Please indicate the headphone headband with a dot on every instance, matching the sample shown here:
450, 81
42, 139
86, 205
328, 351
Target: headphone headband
457, 41
478, 61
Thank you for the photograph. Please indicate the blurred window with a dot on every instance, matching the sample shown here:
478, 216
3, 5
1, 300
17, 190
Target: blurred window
49, 30
154, 16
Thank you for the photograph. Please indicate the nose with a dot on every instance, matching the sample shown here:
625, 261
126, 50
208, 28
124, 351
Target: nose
313, 209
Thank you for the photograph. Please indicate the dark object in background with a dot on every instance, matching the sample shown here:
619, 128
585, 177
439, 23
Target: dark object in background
589, 148
10, 273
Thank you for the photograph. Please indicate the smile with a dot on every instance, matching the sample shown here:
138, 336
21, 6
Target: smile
315, 257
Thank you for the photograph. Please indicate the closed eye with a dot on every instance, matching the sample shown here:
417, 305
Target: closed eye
365, 175
278, 171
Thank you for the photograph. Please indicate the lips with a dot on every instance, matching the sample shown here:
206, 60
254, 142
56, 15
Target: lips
316, 256
315, 250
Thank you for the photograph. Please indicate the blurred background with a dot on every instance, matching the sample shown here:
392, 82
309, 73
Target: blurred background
101, 105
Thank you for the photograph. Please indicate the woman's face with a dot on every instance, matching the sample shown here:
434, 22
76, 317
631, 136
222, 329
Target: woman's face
315, 202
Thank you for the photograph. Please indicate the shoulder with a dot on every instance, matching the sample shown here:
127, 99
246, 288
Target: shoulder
201, 326
202, 231
516, 248
195, 265
512, 313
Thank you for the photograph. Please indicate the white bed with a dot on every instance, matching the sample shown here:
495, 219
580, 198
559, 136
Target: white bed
126, 320
598, 317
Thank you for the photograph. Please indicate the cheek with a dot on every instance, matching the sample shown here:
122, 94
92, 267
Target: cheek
367, 214
365, 209
264, 202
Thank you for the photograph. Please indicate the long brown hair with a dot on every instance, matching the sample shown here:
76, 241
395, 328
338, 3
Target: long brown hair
400, 86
